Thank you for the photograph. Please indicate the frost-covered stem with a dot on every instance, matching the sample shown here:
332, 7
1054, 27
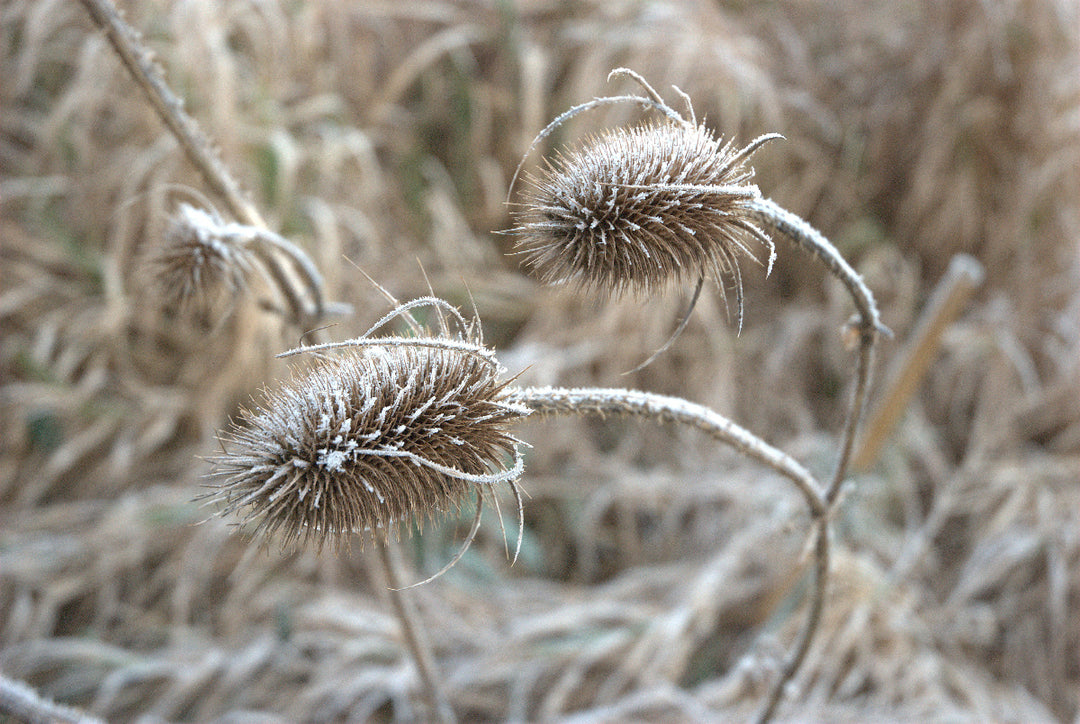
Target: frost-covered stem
810, 626
23, 704
777, 219
662, 408
271, 262
125, 40
548, 400
863, 366
438, 707
301, 262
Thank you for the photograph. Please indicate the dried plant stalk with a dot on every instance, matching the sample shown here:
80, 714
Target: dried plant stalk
140, 63
22, 703
663, 408
961, 279
434, 696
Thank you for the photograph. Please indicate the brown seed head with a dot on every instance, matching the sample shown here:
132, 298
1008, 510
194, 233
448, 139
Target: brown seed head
373, 437
201, 260
636, 208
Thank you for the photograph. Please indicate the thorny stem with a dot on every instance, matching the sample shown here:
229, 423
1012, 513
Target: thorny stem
434, 696
196, 145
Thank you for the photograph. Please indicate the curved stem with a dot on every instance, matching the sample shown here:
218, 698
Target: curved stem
600, 401
863, 365
301, 262
434, 696
548, 400
781, 221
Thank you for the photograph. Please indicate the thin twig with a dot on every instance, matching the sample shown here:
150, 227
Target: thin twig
863, 366
810, 626
434, 696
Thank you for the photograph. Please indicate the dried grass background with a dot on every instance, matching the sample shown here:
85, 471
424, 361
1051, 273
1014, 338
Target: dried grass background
659, 579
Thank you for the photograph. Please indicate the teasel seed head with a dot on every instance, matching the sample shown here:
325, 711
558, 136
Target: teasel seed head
201, 260
377, 432
637, 208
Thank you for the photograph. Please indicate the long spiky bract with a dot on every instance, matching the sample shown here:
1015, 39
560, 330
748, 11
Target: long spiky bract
370, 438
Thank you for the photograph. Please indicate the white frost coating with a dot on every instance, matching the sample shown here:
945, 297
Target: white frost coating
333, 460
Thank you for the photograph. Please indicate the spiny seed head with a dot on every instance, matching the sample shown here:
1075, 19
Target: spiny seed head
367, 439
636, 208
201, 259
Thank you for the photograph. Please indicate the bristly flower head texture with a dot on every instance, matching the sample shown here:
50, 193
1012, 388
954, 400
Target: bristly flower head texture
201, 260
640, 207
377, 432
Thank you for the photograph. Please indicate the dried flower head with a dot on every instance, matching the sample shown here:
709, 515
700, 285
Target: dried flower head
387, 430
201, 260
640, 207
636, 208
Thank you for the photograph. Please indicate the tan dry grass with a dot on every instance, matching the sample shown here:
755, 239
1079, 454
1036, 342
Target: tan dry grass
387, 131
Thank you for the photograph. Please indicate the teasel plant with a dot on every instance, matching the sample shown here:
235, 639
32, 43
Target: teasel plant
386, 432
659, 203
380, 433
207, 255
